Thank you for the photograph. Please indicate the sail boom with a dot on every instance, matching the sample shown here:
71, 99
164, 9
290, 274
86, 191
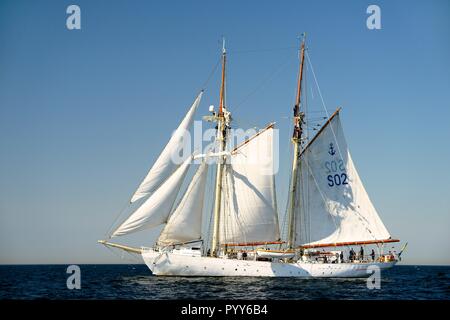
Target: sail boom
350, 243
250, 244
183, 243
120, 246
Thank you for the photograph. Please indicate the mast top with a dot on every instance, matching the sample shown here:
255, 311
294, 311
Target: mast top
300, 74
223, 46
298, 116
222, 86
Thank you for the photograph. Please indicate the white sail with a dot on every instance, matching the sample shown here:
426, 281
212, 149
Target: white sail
156, 209
248, 201
185, 223
333, 206
165, 164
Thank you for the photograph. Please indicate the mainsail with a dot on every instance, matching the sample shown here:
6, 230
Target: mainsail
248, 202
165, 164
156, 209
185, 223
333, 206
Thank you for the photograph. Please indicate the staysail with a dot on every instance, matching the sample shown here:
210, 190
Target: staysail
165, 164
248, 202
185, 223
156, 209
333, 206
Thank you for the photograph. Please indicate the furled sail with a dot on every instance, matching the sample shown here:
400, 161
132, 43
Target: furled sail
333, 206
165, 165
156, 209
248, 200
185, 223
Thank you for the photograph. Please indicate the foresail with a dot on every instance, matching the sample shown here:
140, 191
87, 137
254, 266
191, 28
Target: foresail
185, 223
333, 205
156, 209
248, 200
165, 164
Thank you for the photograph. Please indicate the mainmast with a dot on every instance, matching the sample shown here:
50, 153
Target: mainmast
222, 123
296, 141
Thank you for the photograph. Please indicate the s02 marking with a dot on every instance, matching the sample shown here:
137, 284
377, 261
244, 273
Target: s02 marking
337, 179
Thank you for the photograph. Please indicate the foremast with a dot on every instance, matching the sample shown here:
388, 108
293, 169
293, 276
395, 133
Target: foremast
296, 141
222, 124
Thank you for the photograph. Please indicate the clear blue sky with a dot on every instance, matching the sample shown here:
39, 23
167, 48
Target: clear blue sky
84, 113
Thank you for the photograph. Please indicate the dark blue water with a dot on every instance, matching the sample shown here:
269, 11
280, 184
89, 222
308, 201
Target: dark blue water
136, 282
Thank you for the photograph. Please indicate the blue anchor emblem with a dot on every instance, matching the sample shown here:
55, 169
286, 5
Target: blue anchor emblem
331, 151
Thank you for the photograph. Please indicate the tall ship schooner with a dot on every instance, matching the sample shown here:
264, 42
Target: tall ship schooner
328, 211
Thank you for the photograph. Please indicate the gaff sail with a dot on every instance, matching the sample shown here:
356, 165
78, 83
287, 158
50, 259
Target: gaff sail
248, 202
333, 206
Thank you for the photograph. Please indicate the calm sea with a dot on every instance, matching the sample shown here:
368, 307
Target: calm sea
136, 282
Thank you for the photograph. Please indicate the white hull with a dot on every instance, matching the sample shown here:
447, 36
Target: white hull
173, 264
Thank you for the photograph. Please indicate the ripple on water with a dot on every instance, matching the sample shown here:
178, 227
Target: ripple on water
136, 282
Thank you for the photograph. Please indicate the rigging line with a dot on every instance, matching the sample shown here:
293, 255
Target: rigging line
323, 102
263, 82
240, 222
261, 50
133, 256
290, 151
275, 204
183, 195
306, 105
108, 234
303, 204
249, 202
210, 229
211, 73
209, 209
232, 222
285, 215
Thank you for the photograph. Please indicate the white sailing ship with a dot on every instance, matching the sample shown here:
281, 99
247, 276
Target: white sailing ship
328, 210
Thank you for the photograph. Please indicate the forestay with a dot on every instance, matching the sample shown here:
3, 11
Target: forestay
332, 205
248, 201
156, 209
165, 164
185, 223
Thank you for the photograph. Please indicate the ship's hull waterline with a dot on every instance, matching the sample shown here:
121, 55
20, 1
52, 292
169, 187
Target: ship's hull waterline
170, 264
